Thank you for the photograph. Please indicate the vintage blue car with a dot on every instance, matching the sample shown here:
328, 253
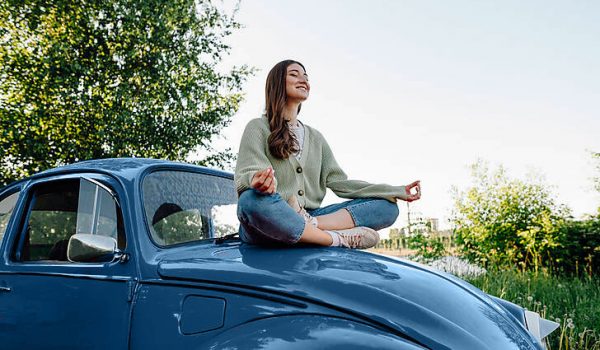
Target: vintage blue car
142, 254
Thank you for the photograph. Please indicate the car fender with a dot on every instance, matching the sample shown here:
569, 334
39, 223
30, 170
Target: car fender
307, 332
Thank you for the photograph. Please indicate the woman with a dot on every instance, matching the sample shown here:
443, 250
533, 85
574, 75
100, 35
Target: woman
284, 168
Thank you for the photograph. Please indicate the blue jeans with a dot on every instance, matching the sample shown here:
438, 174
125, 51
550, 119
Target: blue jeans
268, 219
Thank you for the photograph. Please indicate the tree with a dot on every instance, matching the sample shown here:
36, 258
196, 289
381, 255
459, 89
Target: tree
84, 79
501, 221
427, 247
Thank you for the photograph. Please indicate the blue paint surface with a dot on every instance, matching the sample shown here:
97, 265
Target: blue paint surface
201, 314
207, 294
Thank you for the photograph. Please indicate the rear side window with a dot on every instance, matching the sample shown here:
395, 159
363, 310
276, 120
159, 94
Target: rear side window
7, 206
186, 207
60, 209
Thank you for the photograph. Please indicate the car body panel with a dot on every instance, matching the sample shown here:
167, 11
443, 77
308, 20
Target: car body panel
64, 311
394, 293
307, 332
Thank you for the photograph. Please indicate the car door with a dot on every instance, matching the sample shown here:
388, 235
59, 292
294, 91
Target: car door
48, 301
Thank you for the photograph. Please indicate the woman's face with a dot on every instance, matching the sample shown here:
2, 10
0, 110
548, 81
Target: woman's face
296, 83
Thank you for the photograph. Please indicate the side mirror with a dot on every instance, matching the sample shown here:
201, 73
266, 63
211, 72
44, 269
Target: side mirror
84, 247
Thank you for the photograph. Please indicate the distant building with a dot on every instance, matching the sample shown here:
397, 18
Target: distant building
395, 233
419, 224
434, 224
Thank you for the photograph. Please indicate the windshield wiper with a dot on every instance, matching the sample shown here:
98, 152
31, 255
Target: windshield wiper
221, 240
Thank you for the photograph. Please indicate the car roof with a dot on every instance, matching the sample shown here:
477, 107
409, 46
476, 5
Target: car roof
125, 168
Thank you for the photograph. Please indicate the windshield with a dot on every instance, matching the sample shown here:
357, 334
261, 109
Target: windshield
184, 206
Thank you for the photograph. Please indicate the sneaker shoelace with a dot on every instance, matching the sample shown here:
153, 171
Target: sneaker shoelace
353, 240
307, 217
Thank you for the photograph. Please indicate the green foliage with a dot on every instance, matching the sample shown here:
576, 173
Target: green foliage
579, 249
427, 247
47, 228
501, 221
572, 302
180, 227
189, 225
108, 78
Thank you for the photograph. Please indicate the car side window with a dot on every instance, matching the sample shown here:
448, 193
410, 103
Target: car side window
7, 206
60, 209
185, 207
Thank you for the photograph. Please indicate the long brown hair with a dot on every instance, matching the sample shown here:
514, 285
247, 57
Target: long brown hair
282, 142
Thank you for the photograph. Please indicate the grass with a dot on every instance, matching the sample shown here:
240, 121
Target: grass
572, 302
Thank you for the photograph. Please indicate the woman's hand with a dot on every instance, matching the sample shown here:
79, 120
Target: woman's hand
264, 181
413, 191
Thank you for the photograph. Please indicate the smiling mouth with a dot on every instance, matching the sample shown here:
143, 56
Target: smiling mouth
302, 88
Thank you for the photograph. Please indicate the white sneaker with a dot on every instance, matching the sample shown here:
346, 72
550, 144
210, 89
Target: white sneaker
358, 237
293, 202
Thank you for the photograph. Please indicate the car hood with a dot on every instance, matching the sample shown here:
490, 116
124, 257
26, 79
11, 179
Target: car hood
436, 309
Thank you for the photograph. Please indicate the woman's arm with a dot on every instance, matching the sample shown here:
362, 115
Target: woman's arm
252, 160
337, 180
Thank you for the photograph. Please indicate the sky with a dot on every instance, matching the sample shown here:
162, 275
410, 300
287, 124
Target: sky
407, 90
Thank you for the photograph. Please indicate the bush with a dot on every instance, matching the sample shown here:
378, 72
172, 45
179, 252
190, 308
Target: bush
427, 247
578, 249
500, 221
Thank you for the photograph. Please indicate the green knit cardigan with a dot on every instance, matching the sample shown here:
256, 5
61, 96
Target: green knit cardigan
307, 178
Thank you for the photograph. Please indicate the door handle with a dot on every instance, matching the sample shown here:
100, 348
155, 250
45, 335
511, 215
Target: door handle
4, 289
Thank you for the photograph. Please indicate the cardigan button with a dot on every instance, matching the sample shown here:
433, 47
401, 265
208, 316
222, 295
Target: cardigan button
299, 169
301, 193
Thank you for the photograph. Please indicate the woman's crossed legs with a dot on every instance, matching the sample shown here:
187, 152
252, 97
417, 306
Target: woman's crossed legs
268, 219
